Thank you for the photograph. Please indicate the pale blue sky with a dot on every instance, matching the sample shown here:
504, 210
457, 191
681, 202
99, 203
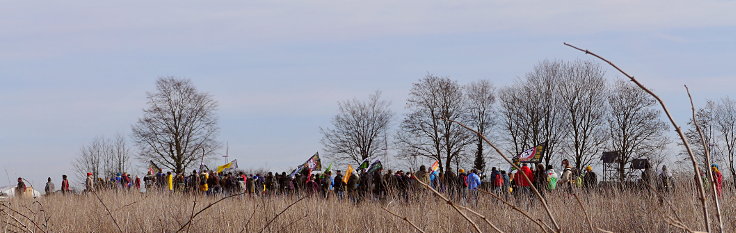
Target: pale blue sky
73, 70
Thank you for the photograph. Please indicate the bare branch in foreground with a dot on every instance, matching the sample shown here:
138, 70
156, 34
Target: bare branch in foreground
536, 192
108, 211
514, 207
699, 181
455, 207
282, 211
587, 217
403, 218
714, 192
203, 209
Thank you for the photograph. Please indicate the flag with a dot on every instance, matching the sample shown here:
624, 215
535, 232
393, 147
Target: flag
313, 162
364, 165
329, 167
203, 168
348, 173
231, 165
375, 166
152, 168
297, 170
436, 166
532, 155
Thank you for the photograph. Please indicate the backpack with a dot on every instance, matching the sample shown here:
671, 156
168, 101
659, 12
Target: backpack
552, 184
464, 179
498, 181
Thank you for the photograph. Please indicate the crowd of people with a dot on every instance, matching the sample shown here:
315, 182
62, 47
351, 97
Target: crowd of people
364, 184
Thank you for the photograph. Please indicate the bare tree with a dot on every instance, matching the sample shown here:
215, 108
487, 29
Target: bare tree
635, 127
725, 124
481, 97
706, 119
423, 132
582, 97
357, 129
178, 127
530, 110
91, 158
104, 157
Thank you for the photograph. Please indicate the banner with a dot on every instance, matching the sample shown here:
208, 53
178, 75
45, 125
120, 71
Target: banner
364, 164
153, 169
532, 155
297, 170
436, 166
348, 173
375, 166
313, 163
231, 165
328, 169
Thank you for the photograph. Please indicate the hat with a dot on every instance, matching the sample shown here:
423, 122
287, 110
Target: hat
89, 173
588, 168
462, 170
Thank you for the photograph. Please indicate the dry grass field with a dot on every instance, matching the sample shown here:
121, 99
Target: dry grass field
610, 210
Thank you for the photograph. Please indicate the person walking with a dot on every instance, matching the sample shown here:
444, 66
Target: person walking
50, 187
474, 183
422, 175
20, 189
665, 180
462, 187
523, 178
717, 178
590, 180
89, 184
65, 185
540, 178
566, 179
339, 185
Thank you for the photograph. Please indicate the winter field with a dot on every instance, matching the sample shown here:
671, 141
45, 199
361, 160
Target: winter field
610, 210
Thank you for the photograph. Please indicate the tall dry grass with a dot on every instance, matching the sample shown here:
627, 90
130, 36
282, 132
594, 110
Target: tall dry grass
613, 210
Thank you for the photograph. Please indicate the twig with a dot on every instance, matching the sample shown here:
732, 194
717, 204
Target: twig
191, 216
126, 205
108, 211
536, 192
25, 227
255, 206
482, 217
587, 217
707, 162
454, 207
24, 216
518, 209
282, 211
403, 218
202, 210
295, 221
678, 224
699, 181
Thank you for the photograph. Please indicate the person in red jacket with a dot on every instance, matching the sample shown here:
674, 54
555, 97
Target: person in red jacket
522, 182
65, 185
137, 183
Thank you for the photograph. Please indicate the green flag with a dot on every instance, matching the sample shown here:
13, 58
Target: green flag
364, 165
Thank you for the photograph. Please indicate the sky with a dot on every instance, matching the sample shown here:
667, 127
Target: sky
74, 70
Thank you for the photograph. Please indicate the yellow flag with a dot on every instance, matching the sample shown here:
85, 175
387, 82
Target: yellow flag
227, 165
348, 173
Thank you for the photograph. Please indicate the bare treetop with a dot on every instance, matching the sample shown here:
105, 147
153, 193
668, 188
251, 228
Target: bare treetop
357, 129
178, 127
